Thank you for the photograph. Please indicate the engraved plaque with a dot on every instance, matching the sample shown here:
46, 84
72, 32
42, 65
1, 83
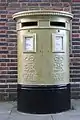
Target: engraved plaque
58, 63
29, 43
58, 72
57, 42
29, 70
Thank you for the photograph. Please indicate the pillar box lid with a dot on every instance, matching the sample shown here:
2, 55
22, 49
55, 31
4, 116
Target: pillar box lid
42, 13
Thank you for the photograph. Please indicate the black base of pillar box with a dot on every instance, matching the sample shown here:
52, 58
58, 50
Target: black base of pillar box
43, 99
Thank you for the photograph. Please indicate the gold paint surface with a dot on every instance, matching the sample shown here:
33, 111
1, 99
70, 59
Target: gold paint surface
43, 66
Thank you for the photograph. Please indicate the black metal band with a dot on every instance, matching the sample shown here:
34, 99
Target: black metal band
43, 99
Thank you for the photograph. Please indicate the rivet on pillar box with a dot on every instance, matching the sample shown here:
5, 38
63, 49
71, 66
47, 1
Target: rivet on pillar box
43, 61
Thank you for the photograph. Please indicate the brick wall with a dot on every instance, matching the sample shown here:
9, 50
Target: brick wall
8, 41
75, 52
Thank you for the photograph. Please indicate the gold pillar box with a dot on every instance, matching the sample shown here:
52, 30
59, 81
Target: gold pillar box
43, 61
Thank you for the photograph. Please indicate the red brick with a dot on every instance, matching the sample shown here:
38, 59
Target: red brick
2, 24
11, 80
3, 16
12, 56
3, 4
44, 4
14, 5
75, 0
57, 4
75, 35
13, 60
3, 64
2, 40
3, 72
9, 16
66, 4
14, 52
11, 48
24, 5
13, 86
11, 64
4, 48
12, 1
11, 90
2, 7
4, 56
33, 4
2, 31
4, 1
3, 68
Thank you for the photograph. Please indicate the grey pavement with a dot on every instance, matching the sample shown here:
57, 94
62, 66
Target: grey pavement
8, 111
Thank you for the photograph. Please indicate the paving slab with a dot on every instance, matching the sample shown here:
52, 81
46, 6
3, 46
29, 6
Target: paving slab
4, 116
69, 115
5, 110
5, 107
8, 111
24, 116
